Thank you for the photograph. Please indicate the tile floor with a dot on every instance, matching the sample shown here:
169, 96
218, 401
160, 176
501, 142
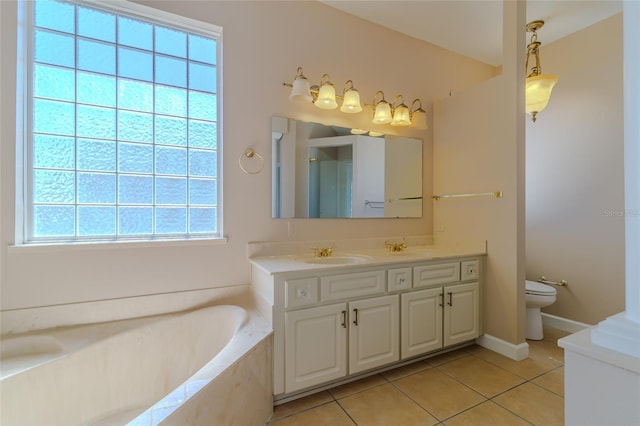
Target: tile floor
470, 386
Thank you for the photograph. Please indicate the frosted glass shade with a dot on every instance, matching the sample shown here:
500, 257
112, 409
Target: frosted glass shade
538, 92
419, 119
351, 102
300, 91
327, 97
382, 114
401, 116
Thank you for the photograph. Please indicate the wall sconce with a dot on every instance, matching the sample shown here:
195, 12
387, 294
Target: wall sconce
382, 110
538, 86
300, 89
324, 96
400, 112
418, 115
351, 99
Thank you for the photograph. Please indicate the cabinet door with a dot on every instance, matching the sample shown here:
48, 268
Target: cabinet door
315, 346
420, 322
461, 313
373, 333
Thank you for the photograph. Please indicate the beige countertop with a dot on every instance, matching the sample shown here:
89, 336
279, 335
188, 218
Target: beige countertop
349, 258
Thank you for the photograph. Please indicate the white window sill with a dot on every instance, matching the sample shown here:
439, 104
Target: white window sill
42, 247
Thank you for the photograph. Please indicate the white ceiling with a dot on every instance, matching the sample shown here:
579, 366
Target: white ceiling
474, 27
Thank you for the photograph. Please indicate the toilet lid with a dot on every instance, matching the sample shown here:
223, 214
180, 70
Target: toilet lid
533, 287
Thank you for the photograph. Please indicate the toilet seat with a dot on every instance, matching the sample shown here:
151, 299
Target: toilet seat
539, 289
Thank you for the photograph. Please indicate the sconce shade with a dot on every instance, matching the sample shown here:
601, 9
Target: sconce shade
538, 91
382, 114
300, 91
351, 102
419, 119
327, 97
401, 116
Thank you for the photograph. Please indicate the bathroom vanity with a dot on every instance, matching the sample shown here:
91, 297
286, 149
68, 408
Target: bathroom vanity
354, 313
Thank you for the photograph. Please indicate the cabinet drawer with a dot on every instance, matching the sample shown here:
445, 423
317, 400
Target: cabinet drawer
469, 270
339, 287
398, 279
301, 292
441, 273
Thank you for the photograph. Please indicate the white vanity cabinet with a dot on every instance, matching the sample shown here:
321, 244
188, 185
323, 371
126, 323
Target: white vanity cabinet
315, 346
333, 323
461, 313
374, 333
440, 316
328, 342
421, 321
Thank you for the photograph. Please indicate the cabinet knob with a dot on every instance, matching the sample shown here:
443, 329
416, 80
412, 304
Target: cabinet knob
355, 316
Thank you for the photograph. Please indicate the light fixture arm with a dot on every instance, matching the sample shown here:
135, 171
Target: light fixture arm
379, 92
413, 104
348, 85
533, 48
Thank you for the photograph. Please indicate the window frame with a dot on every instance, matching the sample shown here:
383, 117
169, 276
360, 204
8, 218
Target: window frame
25, 211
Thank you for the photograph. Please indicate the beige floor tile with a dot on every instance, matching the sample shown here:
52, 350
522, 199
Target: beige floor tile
487, 413
527, 368
407, 370
385, 405
357, 386
553, 381
302, 404
543, 349
438, 393
325, 415
475, 349
482, 376
535, 404
447, 357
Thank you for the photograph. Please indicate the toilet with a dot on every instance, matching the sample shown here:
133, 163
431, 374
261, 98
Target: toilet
537, 295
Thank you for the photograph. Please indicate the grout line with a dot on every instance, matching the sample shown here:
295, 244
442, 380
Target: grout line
347, 413
438, 367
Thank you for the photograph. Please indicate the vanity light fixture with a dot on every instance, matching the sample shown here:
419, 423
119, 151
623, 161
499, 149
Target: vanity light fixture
538, 85
324, 96
418, 115
382, 113
300, 89
400, 112
351, 99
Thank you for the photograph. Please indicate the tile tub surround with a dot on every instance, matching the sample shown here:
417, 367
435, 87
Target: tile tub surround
144, 368
47, 317
452, 389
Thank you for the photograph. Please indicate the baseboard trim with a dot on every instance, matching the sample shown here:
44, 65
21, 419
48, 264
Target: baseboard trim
515, 352
563, 324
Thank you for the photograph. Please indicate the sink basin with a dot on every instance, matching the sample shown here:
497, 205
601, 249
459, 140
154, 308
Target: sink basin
336, 260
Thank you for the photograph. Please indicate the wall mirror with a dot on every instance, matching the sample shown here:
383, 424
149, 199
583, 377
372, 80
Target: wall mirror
324, 171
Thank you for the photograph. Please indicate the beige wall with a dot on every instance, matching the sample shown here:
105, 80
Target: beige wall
574, 180
478, 148
264, 42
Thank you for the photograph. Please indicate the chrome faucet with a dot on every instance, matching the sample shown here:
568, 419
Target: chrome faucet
395, 247
322, 251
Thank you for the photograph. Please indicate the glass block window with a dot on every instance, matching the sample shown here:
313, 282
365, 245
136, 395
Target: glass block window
122, 125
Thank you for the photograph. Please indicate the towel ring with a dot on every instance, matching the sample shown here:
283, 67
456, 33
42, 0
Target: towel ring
250, 153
